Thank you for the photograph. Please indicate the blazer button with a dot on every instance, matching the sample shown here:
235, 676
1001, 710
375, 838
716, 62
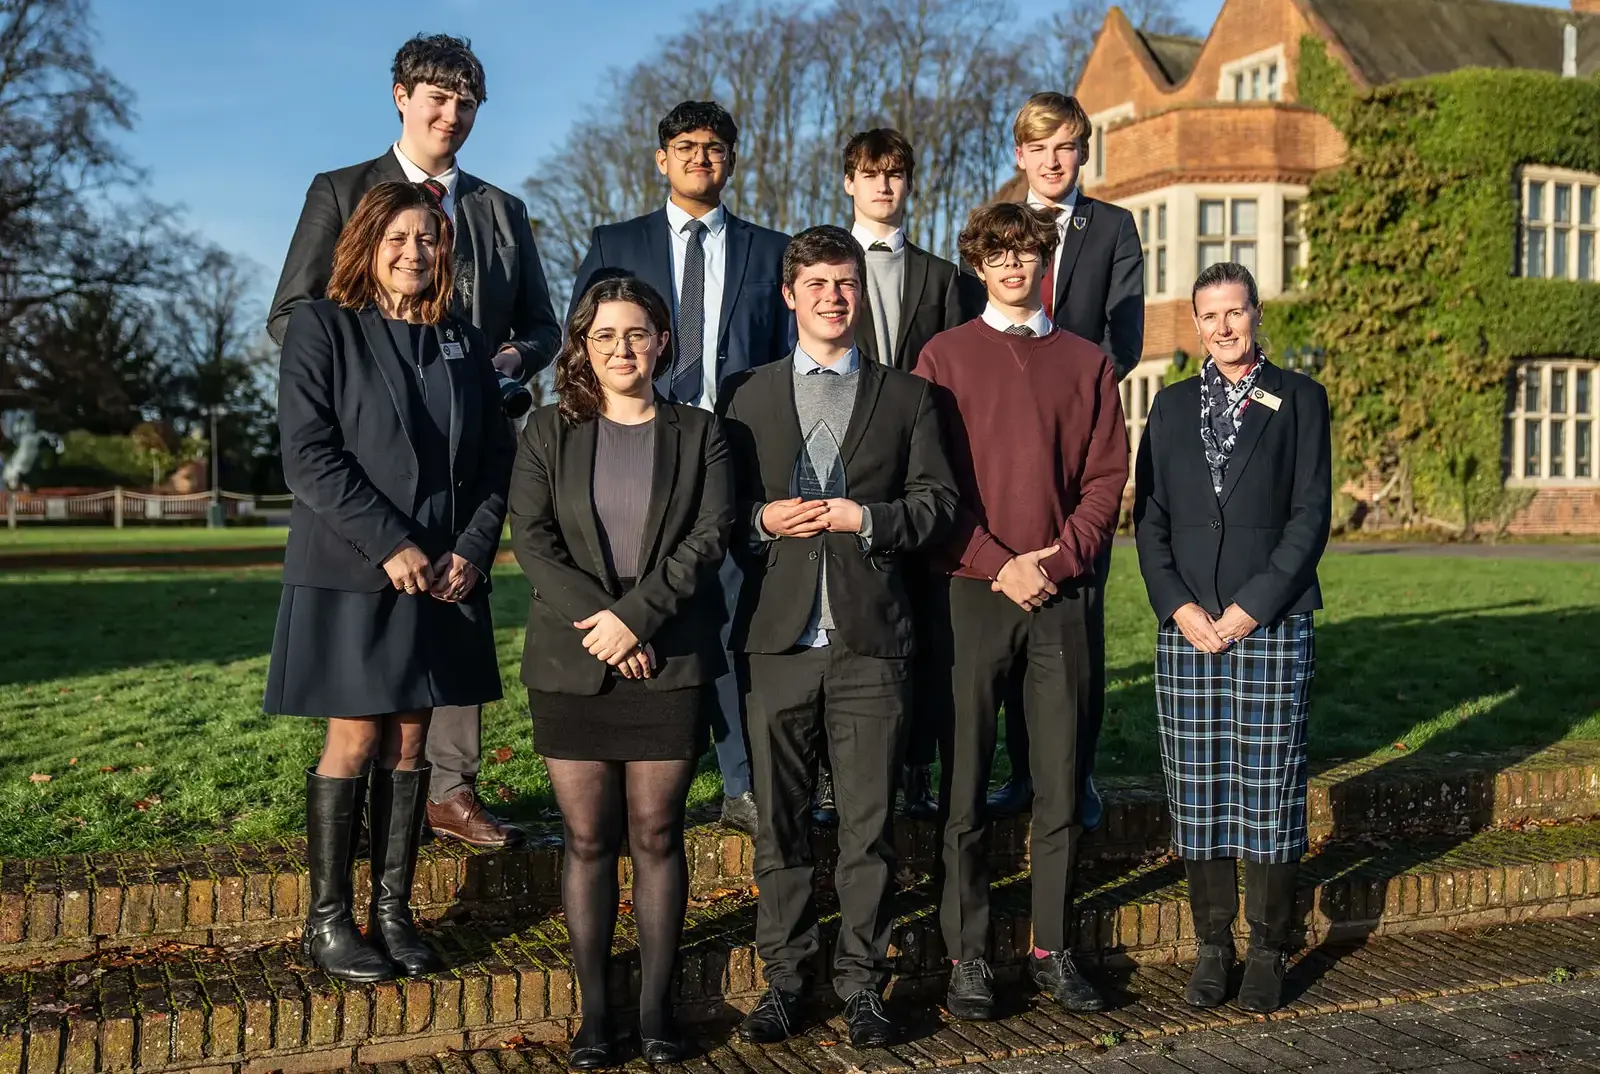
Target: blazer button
812, 554
1216, 523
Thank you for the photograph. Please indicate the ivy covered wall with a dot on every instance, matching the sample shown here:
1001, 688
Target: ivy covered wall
1411, 292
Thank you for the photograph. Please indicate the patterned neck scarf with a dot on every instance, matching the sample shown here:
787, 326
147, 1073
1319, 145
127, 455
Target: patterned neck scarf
1222, 407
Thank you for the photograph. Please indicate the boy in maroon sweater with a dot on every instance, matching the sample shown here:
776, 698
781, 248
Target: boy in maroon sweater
1033, 425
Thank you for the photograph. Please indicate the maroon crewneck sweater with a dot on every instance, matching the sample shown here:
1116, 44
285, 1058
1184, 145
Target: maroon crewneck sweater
1034, 428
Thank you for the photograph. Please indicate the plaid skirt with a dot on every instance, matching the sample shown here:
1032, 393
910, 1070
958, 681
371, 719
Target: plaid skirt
1233, 742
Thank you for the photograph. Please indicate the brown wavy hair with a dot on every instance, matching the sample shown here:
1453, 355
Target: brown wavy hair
577, 387
1003, 226
354, 283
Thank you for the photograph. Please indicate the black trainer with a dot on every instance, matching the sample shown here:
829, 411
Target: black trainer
1056, 974
971, 993
824, 811
869, 1026
772, 1019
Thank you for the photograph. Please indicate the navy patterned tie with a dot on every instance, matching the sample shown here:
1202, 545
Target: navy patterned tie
687, 349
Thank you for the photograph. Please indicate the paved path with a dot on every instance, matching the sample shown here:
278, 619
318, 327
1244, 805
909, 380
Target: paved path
1540, 1027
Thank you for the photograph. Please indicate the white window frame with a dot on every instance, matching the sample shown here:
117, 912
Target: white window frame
1138, 395
1567, 249
1294, 247
1262, 73
1229, 239
1549, 420
1099, 123
1153, 221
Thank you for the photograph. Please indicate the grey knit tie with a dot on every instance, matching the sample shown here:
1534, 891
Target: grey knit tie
1020, 330
688, 347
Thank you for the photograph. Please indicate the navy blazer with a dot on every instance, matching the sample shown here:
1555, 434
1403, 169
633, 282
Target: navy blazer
1258, 542
345, 426
756, 326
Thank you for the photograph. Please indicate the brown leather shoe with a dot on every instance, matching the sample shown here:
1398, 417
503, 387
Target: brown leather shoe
461, 816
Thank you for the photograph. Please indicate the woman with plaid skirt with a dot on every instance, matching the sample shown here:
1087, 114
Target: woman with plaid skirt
1231, 513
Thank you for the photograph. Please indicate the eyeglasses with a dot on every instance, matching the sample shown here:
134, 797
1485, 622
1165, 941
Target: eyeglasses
636, 340
1024, 257
688, 152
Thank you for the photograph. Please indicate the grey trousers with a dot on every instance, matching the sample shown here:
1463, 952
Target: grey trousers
455, 740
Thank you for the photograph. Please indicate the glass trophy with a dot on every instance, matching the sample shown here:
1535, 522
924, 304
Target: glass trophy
819, 467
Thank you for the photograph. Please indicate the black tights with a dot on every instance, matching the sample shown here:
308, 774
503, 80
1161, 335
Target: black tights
598, 799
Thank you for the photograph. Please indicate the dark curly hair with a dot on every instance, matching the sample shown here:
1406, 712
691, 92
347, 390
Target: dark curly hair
698, 116
440, 60
824, 244
1003, 226
577, 387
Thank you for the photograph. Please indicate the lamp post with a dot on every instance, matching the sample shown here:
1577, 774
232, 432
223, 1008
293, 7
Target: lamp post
214, 513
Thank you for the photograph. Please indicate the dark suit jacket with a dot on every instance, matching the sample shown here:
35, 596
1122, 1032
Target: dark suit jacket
933, 300
676, 604
345, 423
510, 300
895, 467
756, 326
1257, 544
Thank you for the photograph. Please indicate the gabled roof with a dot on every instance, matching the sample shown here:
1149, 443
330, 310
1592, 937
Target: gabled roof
1389, 40
1172, 54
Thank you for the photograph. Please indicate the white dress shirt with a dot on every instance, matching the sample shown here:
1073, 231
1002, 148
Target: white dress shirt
1000, 322
715, 243
1063, 221
444, 179
895, 240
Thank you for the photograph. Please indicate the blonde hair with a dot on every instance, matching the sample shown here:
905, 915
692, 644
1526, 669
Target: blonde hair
1047, 112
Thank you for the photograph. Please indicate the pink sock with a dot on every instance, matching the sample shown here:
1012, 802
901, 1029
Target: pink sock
1039, 952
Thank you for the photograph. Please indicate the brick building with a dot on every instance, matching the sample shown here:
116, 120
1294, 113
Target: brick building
1205, 142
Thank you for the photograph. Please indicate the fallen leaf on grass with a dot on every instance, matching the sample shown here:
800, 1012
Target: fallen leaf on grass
73, 761
827, 1044
505, 793
1400, 746
144, 804
108, 768
504, 754
516, 1041
39, 777
138, 745
66, 689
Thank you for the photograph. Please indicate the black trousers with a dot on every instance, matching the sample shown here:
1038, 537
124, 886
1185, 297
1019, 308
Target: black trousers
929, 592
1043, 655
1094, 716
859, 706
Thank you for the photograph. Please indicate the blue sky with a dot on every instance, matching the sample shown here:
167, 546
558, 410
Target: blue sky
240, 102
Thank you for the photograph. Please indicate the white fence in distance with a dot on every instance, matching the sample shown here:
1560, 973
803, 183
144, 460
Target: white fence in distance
117, 506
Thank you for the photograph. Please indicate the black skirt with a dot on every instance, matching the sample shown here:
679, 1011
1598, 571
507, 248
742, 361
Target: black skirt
366, 654
626, 721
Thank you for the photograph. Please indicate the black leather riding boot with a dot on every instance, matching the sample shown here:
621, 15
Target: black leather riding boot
1214, 904
331, 939
1269, 892
398, 800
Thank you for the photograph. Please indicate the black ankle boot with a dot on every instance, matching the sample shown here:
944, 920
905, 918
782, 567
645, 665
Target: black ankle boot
824, 812
398, 800
1213, 903
331, 939
916, 780
1269, 892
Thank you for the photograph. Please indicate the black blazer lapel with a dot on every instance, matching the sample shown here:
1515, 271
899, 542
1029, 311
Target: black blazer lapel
576, 495
471, 245
463, 386
910, 297
1256, 417
866, 334
662, 480
385, 169
868, 384
1079, 217
784, 417
381, 346
738, 260
656, 265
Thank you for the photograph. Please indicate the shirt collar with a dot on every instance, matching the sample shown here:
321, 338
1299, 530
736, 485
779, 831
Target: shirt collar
1000, 322
804, 363
1066, 205
895, 240
416, 175
715, 220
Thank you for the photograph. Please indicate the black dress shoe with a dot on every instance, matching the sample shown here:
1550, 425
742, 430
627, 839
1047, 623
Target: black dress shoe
658, 1052
916, 780
1091, 808
824, 811
869, 1026
772, 1019
591, 1056
1208, 984
970, 996
740, 813
1057, 975
1013, 797
1261, 990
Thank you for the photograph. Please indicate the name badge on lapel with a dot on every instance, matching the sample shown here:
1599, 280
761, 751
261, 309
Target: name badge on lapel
1266, 399
454, 353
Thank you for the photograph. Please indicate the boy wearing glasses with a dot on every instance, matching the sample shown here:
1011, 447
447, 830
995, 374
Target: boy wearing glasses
1033, 423
721, 275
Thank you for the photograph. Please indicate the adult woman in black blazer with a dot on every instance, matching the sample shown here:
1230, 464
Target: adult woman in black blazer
1232, 509
398, 456
621, 508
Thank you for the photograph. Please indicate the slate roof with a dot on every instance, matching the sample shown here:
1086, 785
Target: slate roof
1173, 55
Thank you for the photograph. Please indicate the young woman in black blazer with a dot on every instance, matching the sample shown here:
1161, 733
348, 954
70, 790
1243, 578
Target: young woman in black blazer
398, 457
621, 509
1231, 511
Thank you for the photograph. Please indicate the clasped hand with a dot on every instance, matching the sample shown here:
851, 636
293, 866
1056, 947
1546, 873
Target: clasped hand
1213, 635
1024, 581
449, 578
807, 518
610, 640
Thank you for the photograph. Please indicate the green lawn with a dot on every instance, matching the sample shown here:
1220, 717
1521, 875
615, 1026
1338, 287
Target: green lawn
150, 680
35, 539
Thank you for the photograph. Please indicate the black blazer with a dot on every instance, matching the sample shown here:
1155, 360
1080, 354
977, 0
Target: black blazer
510, 300
676, 604
895, 467
933, 299
1258, 543
756, 326
344, 420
